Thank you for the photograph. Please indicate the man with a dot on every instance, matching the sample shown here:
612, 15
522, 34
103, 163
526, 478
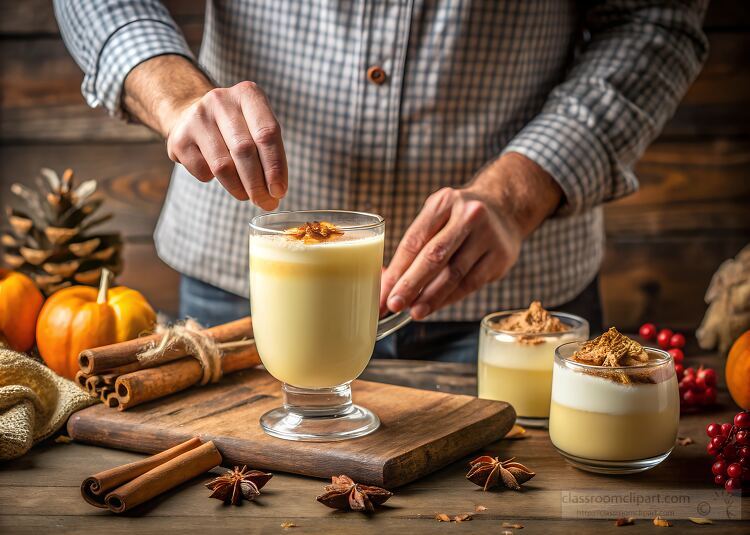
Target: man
487, 133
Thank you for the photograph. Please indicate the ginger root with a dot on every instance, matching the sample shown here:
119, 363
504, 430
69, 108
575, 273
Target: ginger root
728, 299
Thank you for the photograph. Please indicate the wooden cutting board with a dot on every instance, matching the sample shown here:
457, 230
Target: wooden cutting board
421, 431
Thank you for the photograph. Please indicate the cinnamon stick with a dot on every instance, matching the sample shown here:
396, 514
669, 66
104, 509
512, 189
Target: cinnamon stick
164, 477
112, 400
92, 383
106, 358
80, 379
152, 383
95, 488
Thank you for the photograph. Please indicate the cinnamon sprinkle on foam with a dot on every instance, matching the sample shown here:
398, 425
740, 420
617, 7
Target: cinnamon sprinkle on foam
314, 232
533, 321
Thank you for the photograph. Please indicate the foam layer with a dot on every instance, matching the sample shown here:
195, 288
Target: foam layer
590, 393
505, 351
283, 249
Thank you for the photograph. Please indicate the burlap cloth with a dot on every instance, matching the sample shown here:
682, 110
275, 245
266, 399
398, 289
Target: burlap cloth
34, 402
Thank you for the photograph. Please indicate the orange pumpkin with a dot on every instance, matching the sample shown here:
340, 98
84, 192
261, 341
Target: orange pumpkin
738, 371
79, 317
20, 302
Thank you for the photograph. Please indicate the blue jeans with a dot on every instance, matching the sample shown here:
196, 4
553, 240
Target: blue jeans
447, 341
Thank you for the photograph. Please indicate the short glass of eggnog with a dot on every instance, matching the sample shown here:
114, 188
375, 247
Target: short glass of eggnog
314, 297
617, 414
516, 353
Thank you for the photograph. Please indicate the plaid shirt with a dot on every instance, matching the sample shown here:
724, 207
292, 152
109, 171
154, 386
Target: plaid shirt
579, 89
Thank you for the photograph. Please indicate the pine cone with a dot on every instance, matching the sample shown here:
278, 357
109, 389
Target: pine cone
52, 235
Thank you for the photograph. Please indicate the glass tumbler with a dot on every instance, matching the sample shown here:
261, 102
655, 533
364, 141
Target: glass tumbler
614, 420
517, 367
315, 310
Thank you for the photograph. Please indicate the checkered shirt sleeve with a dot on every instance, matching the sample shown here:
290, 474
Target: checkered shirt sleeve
108, 38
639, 58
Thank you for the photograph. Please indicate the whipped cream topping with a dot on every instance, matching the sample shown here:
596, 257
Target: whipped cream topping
586, 392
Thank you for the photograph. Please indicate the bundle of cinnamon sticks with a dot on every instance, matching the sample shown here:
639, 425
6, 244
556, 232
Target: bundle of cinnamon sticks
114, 374
124, 487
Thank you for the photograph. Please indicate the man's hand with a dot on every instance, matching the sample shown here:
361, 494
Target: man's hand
227, 133
465, 238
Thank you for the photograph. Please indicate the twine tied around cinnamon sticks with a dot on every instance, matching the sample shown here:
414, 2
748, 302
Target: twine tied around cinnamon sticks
116, 374
199, 345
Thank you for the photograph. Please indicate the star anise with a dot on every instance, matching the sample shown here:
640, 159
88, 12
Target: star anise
314, 232
237, 484
489, 472
344, 494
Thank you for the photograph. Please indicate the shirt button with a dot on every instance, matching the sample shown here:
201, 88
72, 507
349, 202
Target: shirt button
376, 74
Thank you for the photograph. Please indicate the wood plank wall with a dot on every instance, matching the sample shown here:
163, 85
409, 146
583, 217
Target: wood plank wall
663, 244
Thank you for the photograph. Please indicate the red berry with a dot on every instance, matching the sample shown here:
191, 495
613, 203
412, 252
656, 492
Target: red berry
719, 468
713, 430
742, 419
663, 338
677, 355
744, 452
725, 429
709, 396
720, 479
647, 331
709, 376
690, 371
712, 450
733, 484
718, 442
729, 452
688, 381
690, 397
742, 437
734, 470
677, 340
679, 370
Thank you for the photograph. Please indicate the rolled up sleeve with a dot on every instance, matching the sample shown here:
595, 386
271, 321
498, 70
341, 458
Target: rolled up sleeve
631, 74
109, 38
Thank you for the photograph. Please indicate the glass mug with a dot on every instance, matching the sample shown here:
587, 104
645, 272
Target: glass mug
315, 311
614, 420
517, 367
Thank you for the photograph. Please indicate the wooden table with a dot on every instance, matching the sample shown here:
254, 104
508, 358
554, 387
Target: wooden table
39, 493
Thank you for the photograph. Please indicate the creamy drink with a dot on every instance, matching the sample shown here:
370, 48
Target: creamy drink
516, 354
615, 405
315, 304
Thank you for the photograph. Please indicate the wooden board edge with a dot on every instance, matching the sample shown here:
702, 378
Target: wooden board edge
483, 432
86, 430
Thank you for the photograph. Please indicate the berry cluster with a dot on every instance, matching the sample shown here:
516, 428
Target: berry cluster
730, 445
665, 338
697, 388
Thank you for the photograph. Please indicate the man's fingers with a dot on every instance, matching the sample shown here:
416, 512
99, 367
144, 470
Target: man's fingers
266, 133
431, 259
482, 272
434, 215
242, 148
216, 154
450, 277
192, 159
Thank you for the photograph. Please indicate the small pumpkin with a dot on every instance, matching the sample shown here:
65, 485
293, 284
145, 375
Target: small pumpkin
80, 317
20, 303
738, 371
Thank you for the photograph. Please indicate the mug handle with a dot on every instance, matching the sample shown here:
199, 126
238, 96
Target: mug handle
391, 324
